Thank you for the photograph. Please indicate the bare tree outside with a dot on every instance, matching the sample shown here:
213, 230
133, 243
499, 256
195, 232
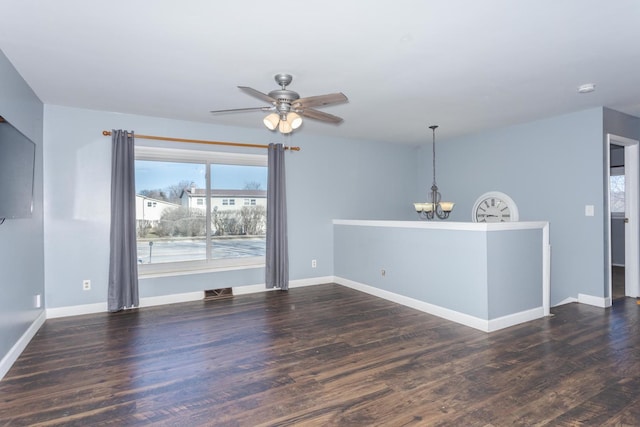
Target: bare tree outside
252, 185
617, 193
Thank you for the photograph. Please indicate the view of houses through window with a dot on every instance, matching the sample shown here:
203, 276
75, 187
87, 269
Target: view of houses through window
199, 213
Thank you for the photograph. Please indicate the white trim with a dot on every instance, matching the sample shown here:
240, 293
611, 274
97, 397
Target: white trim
171, 299
191, 270
546, 271
76, 310
595, 301
465, 226
311, 281
12, 355
445, 313
632, 229
632, 211
198, 155
252, 289
515, 319
567, 300
101, 307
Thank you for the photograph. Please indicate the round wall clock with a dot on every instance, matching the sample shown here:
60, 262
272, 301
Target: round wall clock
494, 206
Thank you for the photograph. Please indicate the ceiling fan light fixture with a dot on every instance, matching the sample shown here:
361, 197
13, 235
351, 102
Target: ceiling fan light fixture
286, 107
294, 120
271, 121
285, 127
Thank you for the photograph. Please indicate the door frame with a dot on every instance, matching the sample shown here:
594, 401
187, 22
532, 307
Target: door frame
631, 229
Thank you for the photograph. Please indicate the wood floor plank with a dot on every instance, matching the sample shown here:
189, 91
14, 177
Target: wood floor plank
325, 356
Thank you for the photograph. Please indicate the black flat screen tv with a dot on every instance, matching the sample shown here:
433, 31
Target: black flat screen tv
17, 162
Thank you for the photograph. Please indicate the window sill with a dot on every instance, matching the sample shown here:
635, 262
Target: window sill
185, 271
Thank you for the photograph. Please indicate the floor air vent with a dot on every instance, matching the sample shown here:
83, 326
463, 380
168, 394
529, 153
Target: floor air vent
218, 293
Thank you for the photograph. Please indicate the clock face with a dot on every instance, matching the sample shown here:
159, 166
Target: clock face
494, 207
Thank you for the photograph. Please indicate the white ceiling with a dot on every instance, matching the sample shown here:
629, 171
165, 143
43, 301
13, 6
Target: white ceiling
466, 65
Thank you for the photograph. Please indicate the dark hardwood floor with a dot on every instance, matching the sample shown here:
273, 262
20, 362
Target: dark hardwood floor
617, 282
325, 356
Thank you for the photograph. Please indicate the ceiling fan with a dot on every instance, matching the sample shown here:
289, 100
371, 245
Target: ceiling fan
288, 108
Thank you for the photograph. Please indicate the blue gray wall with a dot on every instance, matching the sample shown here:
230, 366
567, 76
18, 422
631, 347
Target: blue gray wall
486, 275
21, 240
513, 268
442, 267
327, 179
551, 168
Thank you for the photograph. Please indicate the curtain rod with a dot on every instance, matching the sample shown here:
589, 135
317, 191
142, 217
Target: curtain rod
200, 141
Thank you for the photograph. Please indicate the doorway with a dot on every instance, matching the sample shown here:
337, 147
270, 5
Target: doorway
623, 239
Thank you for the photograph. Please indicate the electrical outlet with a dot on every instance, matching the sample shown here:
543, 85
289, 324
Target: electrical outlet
383, 272
86, 285
37, 301
314, 264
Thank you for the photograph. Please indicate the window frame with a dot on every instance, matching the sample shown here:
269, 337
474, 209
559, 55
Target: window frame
196, 156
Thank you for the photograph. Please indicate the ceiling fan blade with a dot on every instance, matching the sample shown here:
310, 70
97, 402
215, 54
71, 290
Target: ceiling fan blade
320, 115
321, 100
232, 110
257, 94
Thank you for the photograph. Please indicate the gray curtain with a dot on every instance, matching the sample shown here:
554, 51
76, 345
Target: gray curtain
123, 259
277, 251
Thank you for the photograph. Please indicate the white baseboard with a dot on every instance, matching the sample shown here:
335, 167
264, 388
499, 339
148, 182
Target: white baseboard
311, 281
252, 289
76, 310
601, 302
567, 300
101, 307
595, 301
9, 359
515, 319
445, 313
171, 299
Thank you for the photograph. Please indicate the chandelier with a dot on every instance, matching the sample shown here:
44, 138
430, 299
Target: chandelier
434, 207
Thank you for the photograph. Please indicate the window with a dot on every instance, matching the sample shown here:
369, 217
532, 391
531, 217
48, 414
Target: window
616, 190
191, 231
